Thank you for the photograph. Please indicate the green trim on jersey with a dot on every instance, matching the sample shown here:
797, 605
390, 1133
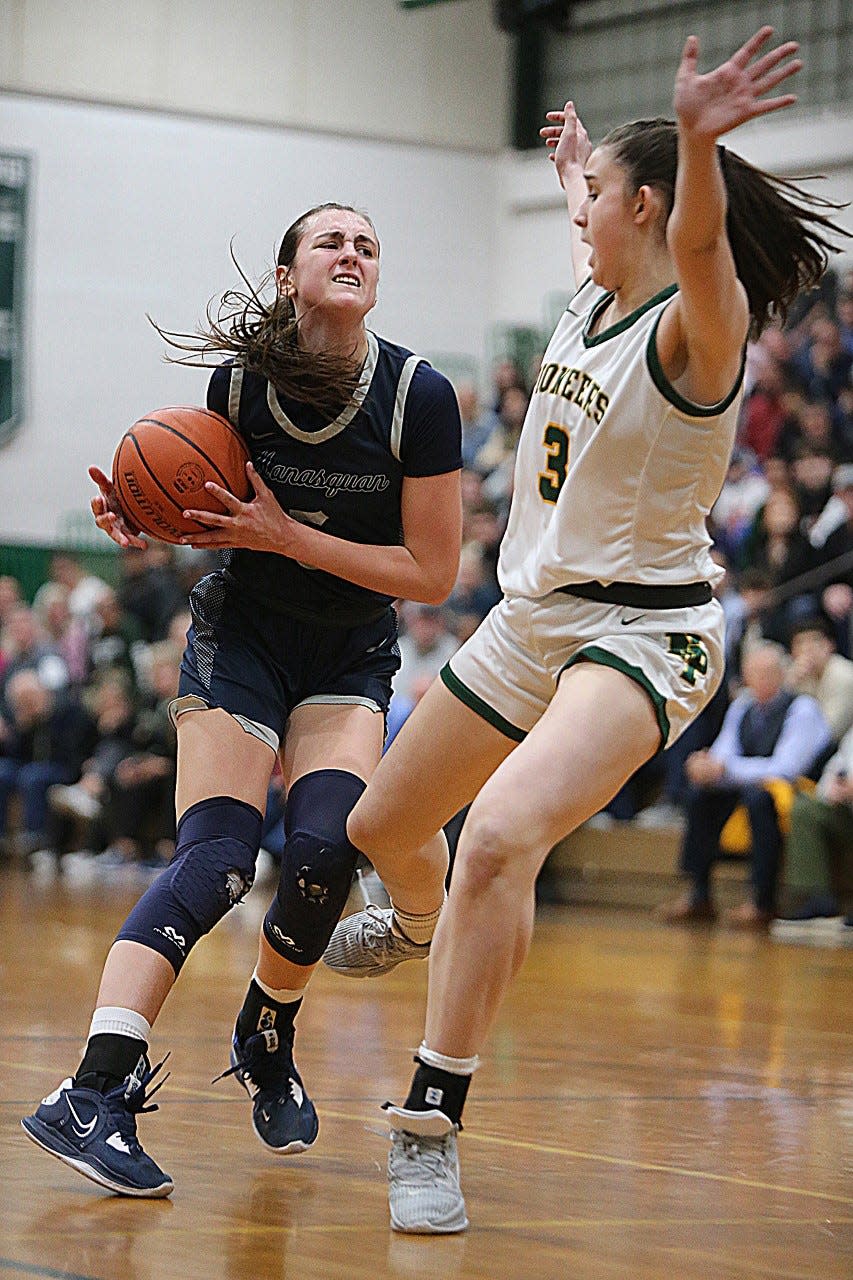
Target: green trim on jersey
621, 325
669, 392
592, 653
471, 699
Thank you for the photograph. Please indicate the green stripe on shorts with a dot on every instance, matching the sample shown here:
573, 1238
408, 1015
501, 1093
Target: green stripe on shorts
592, 653
466, 695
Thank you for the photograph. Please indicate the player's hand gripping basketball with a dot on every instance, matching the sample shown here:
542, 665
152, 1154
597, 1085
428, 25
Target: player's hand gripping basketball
257, 525
109, 516
711, 105
566, 139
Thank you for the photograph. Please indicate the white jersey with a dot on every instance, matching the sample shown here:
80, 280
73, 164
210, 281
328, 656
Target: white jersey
616, 472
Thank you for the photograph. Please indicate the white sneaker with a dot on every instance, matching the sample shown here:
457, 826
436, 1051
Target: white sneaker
424, 1195
74, 801
364, 945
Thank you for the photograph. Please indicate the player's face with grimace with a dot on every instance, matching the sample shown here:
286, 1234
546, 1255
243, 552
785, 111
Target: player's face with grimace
336, 265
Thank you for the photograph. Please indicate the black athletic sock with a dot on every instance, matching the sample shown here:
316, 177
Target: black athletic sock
108, 1061
261, 1013
433, 1088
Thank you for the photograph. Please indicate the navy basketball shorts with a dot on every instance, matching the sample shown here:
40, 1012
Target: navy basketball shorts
260, 665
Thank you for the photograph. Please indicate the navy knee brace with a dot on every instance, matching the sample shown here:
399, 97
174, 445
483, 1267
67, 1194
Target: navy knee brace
317, 865
213, 868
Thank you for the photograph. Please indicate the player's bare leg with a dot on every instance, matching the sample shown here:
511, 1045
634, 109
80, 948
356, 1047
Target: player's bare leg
599, 728
395, 824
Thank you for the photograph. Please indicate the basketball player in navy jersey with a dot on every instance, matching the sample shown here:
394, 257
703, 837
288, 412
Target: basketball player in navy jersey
355, 466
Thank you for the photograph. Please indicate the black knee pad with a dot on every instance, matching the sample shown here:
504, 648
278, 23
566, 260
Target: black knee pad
212, 870
317, 865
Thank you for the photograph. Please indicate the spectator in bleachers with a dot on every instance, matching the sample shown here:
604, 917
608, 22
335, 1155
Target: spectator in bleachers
763, 414
776, 544
84, 589
66, 633
116, 640
496, 460
178, 628
819, 855
769, 733
45, 735
845, 321
478, 423
821, 363
820, 671
137, 821
811, 479
82, 800
10, 597
741, 498
425, 646
474, 593
26, 647
817, 427
506, 375
151, 589
751, 623
836, 555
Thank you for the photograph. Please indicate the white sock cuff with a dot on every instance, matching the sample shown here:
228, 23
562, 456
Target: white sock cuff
111, 1019
281, 997
456, 1066
411, 917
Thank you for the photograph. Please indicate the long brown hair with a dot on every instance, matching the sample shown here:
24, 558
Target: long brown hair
778, 235
261, 333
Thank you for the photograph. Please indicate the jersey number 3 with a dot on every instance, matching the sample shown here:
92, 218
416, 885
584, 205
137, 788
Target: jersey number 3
552, 479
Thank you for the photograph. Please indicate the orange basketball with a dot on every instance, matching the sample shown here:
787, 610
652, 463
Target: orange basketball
163, 461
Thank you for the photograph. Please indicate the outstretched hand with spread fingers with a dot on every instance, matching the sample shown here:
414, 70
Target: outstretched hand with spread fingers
566, 139
711, 105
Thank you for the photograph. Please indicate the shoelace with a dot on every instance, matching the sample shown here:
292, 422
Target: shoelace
419, 1159
377, 926
260, 1061
128, 1100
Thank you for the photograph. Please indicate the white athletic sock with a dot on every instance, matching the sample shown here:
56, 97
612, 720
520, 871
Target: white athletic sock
118, 1021
456, 1066
283, 996
416, 928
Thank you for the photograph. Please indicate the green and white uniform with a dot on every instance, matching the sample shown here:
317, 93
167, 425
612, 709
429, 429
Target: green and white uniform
615, 475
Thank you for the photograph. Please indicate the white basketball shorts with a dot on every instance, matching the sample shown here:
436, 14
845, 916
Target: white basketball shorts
508, 671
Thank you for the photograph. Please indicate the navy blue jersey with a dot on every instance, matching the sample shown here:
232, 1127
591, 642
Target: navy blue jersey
344, 476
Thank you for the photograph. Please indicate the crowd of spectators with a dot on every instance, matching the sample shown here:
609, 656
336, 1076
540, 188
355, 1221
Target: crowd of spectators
87, 751
87, 669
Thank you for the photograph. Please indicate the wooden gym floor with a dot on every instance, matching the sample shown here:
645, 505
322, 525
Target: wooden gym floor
654, 1104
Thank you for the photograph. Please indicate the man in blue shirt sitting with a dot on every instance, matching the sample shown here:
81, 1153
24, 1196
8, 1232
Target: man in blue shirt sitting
769, 732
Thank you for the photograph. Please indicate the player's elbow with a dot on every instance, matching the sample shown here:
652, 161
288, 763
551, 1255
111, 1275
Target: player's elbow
435, 592
436, 578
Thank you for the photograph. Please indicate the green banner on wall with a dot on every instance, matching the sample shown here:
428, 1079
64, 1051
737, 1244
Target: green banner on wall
14, 189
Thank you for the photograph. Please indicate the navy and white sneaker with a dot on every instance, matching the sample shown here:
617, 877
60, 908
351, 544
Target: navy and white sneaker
95, 1133
283, 1115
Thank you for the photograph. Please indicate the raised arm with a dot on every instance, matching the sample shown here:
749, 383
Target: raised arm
702, 335
569, 147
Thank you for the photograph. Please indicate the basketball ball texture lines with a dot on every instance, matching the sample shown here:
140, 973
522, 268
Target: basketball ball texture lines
163, 461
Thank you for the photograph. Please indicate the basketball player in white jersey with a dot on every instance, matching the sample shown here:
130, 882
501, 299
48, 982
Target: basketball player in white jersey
607, 642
